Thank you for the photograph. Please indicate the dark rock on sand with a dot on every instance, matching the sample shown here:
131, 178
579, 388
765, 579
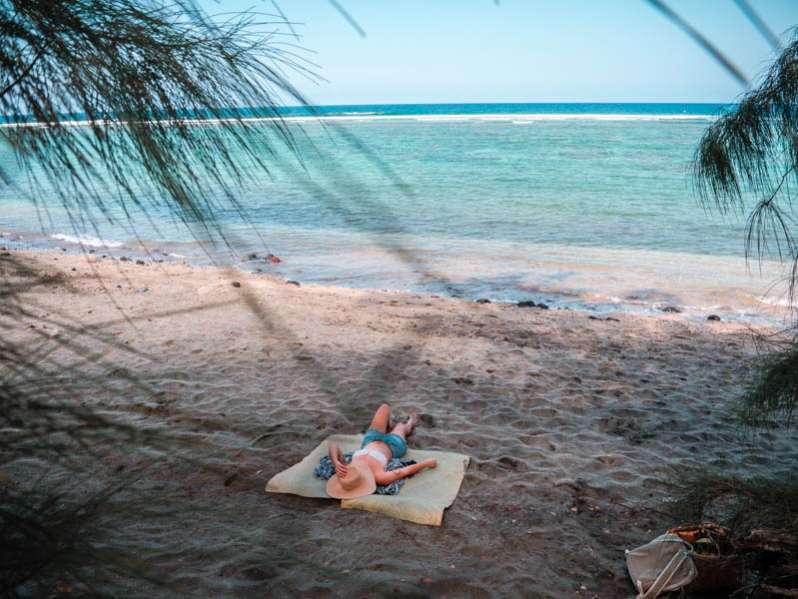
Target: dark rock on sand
141, 262
671, 310
483, 300
296, 283
124, 259
607, 319
236, 284
714, 317
531, 304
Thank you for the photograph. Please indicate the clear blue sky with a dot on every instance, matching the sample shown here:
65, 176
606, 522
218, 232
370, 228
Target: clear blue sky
525, 50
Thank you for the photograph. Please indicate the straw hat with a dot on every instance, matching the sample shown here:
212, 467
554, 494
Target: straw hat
359, 481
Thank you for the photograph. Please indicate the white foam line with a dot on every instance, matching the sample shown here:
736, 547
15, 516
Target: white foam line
87, 240
527, 117
409, 117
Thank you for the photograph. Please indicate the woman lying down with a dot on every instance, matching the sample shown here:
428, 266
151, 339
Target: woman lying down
367, 469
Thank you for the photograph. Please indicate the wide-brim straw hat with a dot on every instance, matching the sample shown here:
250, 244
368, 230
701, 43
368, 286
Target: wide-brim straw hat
359, 481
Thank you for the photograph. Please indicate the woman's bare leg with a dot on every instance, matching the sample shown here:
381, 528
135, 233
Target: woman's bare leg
381, 418
403, 429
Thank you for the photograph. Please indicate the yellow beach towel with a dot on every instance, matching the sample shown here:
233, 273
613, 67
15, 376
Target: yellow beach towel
423, 497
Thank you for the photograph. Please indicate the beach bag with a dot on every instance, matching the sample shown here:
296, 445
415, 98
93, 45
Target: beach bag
665, 564
718, 565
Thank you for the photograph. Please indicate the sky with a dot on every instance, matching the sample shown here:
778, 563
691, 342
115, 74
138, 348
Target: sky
459, 51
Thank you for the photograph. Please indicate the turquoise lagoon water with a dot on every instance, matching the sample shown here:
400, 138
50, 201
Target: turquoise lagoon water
579, 205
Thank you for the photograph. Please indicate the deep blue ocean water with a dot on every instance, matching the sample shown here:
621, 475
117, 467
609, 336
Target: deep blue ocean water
587, 204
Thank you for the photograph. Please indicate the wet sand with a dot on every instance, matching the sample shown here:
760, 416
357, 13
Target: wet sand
572, 425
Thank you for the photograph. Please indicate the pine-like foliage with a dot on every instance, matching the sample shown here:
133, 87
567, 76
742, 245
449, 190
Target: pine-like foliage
752, 152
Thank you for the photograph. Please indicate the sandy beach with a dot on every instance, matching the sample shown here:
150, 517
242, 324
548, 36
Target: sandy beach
573, 425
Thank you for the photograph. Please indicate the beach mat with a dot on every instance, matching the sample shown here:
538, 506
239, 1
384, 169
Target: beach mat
423, 497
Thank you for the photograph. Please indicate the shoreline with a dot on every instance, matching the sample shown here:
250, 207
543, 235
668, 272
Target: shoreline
596, 280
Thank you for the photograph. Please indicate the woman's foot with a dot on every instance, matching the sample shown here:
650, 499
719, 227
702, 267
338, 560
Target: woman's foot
412, 420
403, 429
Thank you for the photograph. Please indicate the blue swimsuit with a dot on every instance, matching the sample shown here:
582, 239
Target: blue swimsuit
395, 442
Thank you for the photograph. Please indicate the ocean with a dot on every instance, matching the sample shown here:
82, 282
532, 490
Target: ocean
579, 206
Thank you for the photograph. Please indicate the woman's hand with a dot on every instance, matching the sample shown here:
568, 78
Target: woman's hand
384, 478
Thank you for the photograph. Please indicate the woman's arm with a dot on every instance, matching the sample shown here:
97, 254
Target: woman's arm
389, 476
